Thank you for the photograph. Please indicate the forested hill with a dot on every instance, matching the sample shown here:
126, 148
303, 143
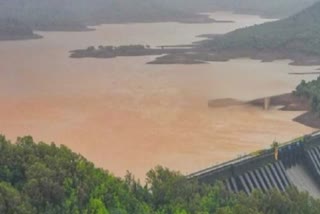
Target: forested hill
38, 178
298, 34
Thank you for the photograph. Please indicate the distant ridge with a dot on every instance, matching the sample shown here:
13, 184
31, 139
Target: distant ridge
76, 15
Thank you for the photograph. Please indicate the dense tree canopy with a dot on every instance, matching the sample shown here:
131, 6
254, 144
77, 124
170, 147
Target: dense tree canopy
43, 178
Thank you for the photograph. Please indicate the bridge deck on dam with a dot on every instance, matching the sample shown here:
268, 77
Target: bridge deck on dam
296, 163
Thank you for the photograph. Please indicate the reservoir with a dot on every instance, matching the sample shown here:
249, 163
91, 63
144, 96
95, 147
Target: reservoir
123, 114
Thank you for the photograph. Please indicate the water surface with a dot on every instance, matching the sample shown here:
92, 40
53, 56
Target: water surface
123, 114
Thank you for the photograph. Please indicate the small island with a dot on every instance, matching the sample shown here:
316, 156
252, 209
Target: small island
125, 50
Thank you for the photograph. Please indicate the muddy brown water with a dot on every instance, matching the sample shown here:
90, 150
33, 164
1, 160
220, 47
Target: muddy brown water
125, 115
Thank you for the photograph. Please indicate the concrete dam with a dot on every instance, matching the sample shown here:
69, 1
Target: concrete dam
295, 163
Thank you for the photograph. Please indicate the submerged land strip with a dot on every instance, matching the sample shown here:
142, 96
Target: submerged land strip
6, 37
305, 73
283, 102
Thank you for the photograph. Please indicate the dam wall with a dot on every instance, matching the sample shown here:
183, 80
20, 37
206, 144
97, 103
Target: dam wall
295, 163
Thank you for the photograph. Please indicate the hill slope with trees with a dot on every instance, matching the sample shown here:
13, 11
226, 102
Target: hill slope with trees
296, 37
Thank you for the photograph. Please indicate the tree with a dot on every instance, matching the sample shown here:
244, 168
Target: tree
12, 202
97, 207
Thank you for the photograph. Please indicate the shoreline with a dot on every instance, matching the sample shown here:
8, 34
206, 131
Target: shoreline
90, 26
20, 38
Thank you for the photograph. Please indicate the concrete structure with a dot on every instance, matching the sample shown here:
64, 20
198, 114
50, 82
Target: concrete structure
294, 163
267, 102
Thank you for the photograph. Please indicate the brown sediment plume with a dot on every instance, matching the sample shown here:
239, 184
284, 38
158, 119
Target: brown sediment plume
219, 103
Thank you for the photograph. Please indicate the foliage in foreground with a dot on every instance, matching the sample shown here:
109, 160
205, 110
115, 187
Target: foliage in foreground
42, 178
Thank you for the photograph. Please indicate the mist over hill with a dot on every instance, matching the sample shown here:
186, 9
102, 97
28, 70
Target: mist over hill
270, 8
12, 29
76, 15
